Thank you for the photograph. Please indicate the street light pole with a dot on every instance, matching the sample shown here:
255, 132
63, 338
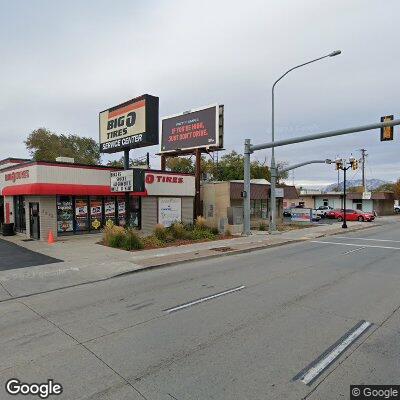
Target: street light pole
272, 214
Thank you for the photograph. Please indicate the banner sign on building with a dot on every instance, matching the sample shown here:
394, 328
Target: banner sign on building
129, 125
130, 180
301, 214
366, 195
159, 183
198, 128
169, 210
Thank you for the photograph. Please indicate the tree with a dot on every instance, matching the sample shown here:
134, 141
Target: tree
390, 187
396, 189
44, 145
180, 164
386, 187
229, 167
133, 162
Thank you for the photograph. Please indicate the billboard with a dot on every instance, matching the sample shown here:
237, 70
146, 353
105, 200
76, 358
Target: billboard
198, 128
129, 125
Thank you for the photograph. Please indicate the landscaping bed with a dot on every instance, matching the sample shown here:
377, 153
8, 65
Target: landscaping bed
177, 234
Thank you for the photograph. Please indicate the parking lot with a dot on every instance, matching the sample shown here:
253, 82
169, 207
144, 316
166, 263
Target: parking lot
14, 256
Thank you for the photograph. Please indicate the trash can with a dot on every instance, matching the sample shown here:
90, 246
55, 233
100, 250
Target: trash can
8, 230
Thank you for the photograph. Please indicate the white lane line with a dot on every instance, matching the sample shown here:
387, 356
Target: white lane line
355, 244
369, 239
322, 364
352, 251
203, 299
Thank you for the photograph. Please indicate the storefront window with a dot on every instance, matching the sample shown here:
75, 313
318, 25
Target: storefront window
121, 212
135, 212
96, 213
65, 214
109, 209
81, 214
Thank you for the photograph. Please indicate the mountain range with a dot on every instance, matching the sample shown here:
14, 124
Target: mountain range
371, 184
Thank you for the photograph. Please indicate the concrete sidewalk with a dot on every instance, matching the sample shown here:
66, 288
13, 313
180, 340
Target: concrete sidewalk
85, 261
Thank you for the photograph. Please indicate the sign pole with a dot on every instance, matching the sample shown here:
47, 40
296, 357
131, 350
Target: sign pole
127, 194
197, 207
344, 225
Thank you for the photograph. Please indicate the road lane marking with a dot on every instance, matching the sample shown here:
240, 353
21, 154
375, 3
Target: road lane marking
315, 369
355, 244
352, 251
372, 240
203, 299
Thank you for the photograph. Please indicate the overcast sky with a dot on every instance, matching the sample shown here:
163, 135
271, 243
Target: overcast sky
63, 62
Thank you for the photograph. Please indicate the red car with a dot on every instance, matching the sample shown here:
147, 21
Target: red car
355, 215
334, 214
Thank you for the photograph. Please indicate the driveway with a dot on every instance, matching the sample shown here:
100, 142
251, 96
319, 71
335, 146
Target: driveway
14, 256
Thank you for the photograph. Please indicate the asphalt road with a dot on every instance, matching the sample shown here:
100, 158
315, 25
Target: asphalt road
14, 256
250, 326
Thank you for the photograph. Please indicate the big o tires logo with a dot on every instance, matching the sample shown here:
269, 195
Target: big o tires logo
149, 178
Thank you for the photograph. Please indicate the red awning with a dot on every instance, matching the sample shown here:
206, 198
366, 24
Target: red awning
46, 189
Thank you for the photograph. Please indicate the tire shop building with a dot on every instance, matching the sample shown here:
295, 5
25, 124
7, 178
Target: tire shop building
69, 198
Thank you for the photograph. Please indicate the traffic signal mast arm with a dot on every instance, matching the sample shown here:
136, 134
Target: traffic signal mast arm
323, 135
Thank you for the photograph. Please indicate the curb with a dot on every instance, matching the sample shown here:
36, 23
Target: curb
235, 252
217, 255
172, 263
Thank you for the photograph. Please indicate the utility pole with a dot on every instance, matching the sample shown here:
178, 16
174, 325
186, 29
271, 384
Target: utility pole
363, 155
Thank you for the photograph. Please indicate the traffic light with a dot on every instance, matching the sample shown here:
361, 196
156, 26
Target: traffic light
387, 131
354, 165
339, 164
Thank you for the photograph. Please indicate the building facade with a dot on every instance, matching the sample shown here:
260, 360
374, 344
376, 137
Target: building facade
67, 198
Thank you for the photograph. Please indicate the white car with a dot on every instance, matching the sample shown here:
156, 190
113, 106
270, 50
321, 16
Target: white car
397, 209
323, 210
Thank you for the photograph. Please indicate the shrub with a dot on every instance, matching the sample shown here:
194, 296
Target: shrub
178, 231
115, 237
188, 226
151, 241
199, 234
132, 241
262, 226
160, 232
228, 232
215, 231
200, 223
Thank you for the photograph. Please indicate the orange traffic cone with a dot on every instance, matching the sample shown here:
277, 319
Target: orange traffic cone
50, 238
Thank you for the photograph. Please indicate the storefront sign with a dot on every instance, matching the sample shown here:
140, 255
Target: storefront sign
169, 210
121, 181
130, 180
197, 128
301, 214
129, 125
366, 195
15, 175
167, 184
279, 192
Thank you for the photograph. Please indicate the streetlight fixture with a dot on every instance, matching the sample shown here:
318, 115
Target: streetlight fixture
272, 218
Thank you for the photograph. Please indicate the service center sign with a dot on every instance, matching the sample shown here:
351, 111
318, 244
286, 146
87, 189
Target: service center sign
194, 129
129, 125
166, 184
